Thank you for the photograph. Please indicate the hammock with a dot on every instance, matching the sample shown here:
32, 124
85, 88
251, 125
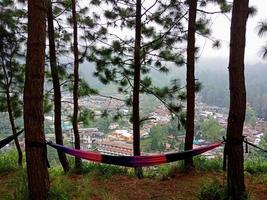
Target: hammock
5, 141
134, 161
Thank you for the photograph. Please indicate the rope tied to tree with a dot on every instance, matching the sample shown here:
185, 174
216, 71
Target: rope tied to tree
42, 145
235, 141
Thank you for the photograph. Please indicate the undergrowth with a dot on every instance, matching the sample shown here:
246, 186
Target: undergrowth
78, 184
8, 161
256, 165
212, 190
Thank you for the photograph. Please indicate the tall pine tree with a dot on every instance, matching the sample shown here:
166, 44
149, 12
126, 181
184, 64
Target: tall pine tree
56, 84
38, 180
127, 59
236, 117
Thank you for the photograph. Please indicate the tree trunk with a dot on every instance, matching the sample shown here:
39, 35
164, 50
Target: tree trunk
38, 177
56, 85
235, 175
13, 127
136, 87
190, 82
10, 114
78, 162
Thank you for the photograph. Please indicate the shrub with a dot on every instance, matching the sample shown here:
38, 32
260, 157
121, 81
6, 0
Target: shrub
60, 189
256, 165
8, 160
204, 164
213, 190
103, 170
20, 185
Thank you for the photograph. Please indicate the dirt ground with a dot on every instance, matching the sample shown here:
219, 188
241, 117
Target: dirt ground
183, 186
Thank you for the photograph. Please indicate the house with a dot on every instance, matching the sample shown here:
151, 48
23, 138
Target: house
87, 136
117, 148
122, 135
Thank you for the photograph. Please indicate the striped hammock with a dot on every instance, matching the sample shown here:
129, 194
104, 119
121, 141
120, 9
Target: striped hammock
134, 161
5, 141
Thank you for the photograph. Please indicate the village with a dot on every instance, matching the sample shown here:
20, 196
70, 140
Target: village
117, 139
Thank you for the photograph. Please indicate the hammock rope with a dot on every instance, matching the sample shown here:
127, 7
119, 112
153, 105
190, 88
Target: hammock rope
7, 140
134, 161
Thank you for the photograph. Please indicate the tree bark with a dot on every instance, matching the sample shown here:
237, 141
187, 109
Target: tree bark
190, 82
78, 162
235, 173
136, 87
38, 177
56, 85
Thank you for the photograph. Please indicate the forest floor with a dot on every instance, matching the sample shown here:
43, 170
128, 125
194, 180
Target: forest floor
181, 186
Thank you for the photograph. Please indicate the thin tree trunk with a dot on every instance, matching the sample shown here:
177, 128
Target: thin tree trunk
56, 85
78, 162
10, 114
190, 82
136, 88
235, 175
13, 127
38, 177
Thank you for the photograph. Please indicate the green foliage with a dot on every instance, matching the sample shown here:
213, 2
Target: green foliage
202, 26
212, 190
86, 116
164, 172
204, 164
215, 94
60, 188
8, 160
261, 178
114, 58
21, 185
262, 30
103, 124
102, 171
250, 116
158, 134
263, 144
256, 165
11, 70
48, 106
210, 130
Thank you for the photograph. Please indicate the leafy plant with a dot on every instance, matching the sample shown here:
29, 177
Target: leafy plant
213, 190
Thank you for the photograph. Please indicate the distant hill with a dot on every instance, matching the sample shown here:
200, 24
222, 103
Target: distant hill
213, 74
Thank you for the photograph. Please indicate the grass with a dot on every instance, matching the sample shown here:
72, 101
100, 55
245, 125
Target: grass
60, 188
260, 178
8, 161
256, 165
204, 164
81, 184
212, 190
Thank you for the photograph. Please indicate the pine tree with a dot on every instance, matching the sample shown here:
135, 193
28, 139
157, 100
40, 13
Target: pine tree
196, 26
262, 30
127, 60
78, 162
235, 173
38, 180
11, 71
56, 84
190, 81
65, 45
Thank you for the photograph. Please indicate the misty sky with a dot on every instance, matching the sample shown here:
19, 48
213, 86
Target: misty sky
221, 30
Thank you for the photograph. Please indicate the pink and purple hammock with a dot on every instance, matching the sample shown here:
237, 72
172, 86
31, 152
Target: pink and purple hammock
8, 139
134, 161
128, 161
